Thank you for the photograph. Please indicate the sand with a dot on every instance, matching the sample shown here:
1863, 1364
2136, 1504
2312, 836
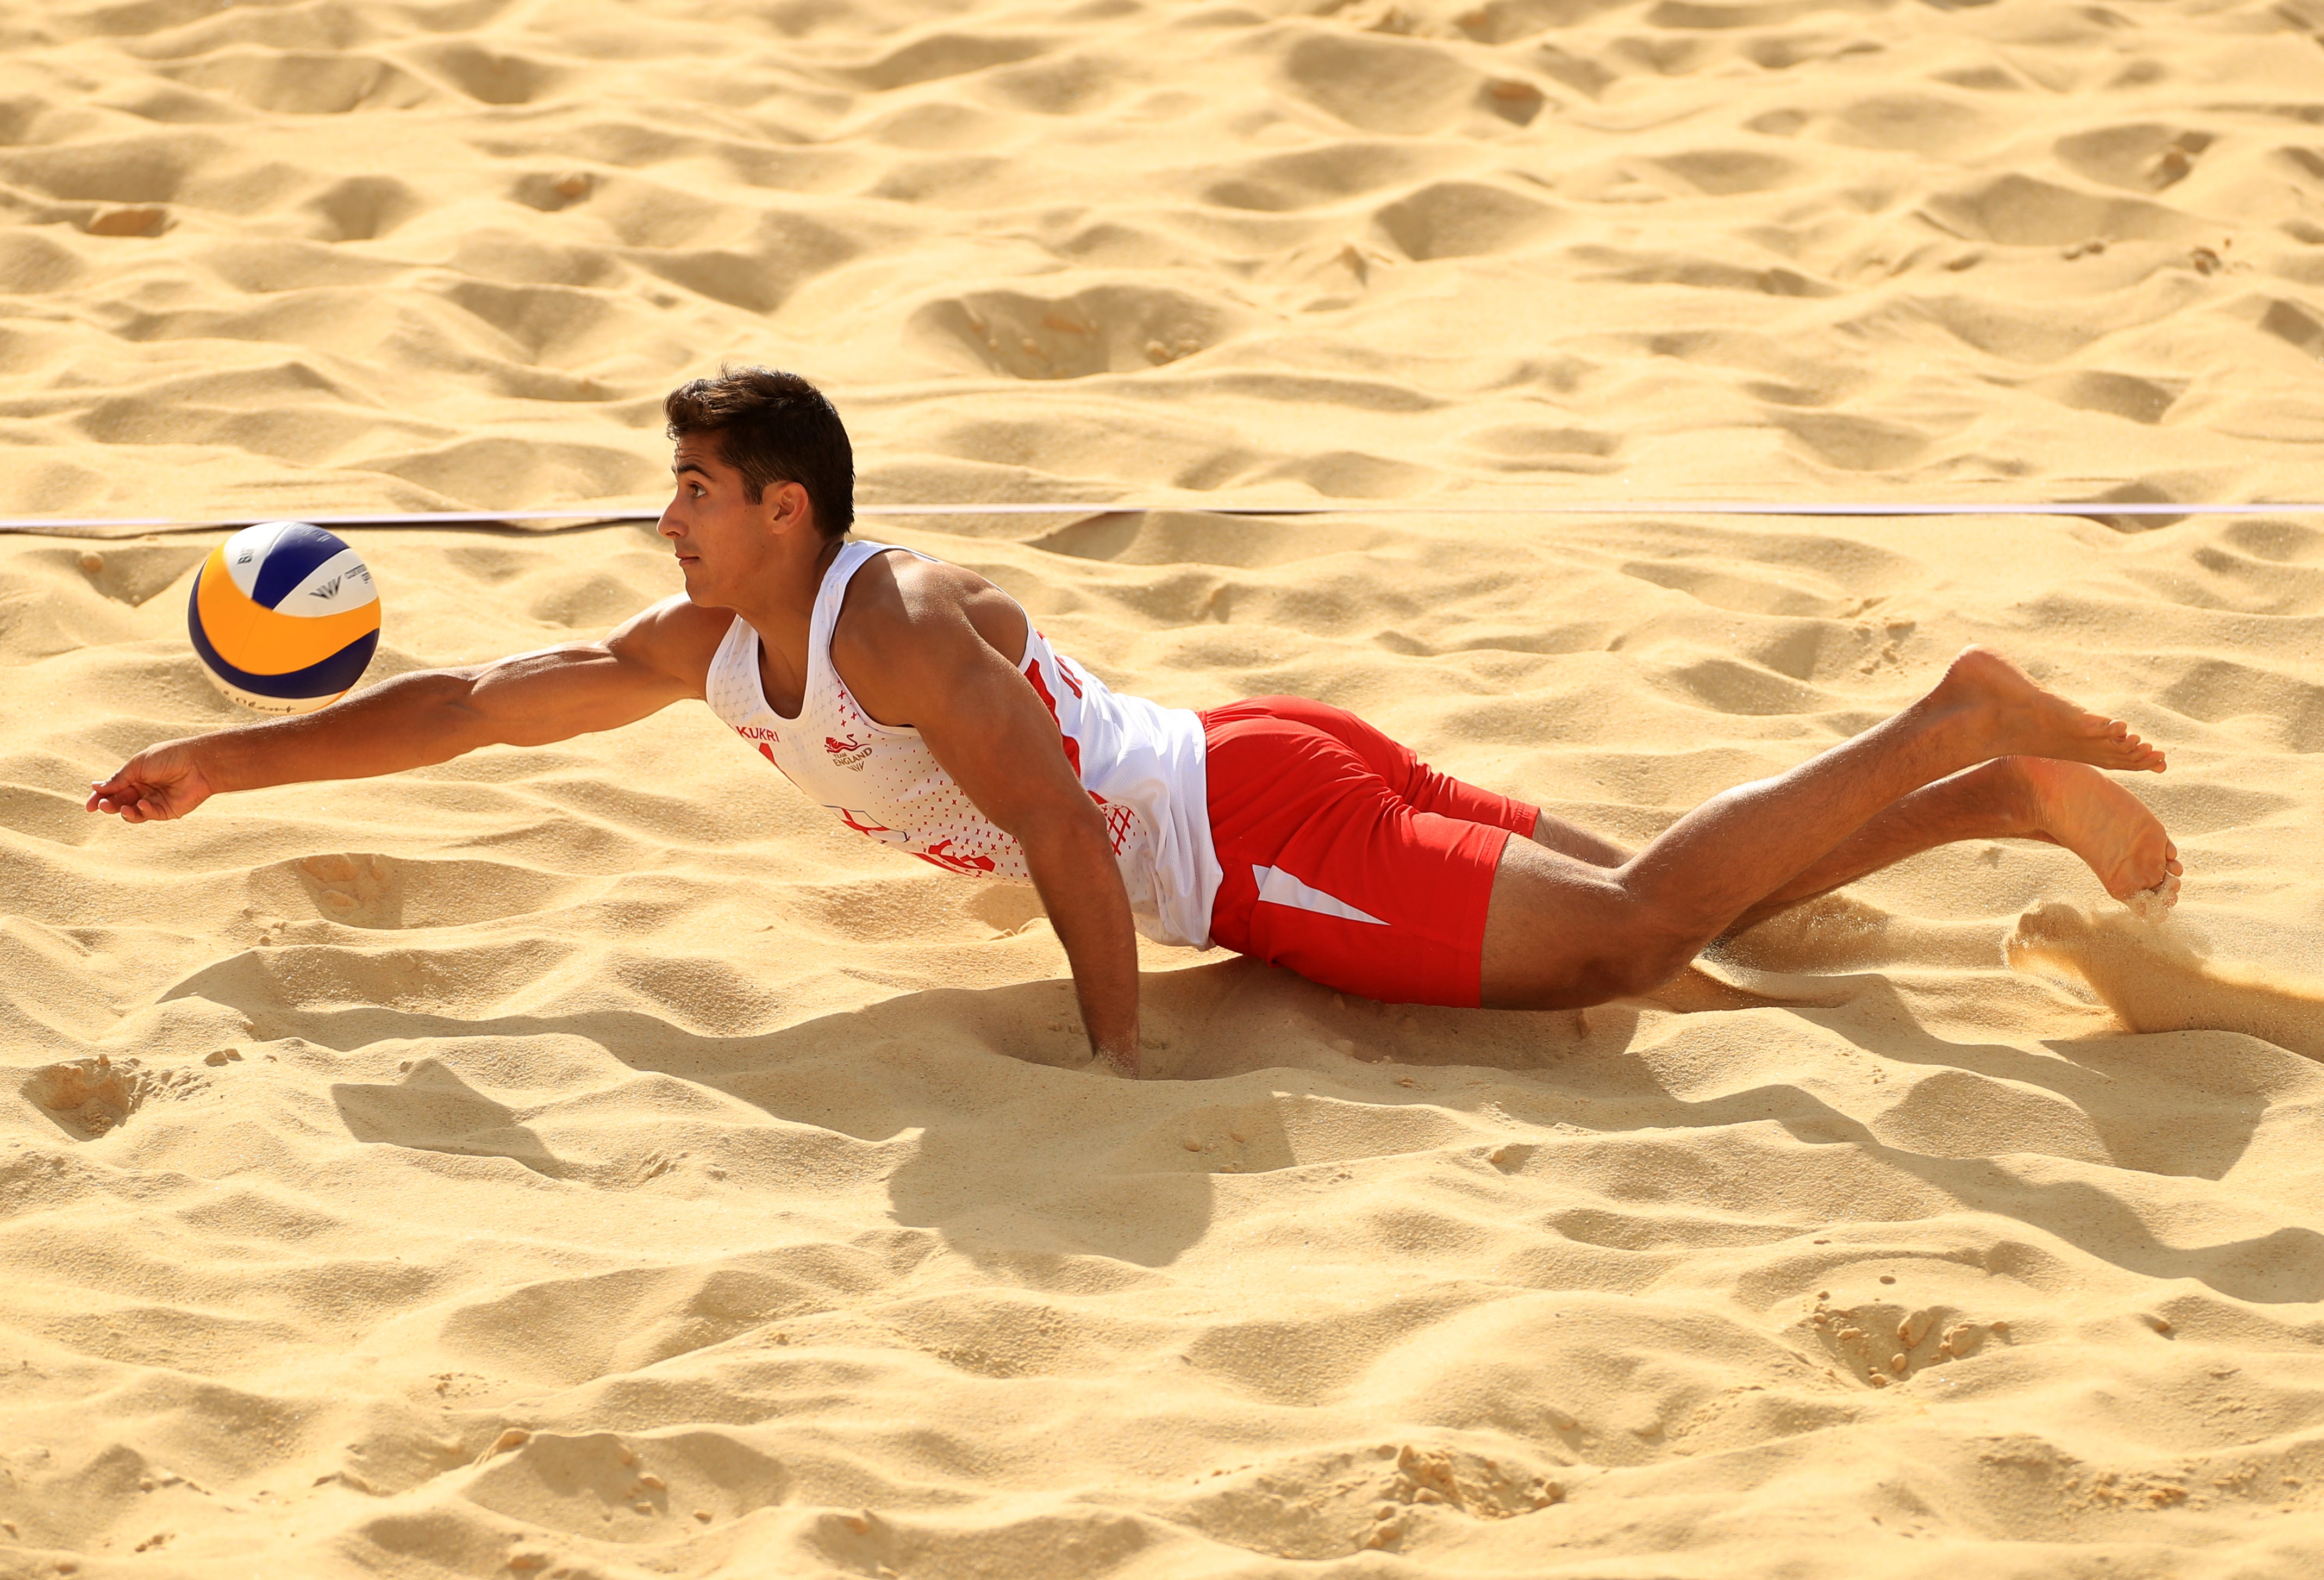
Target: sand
594, 1162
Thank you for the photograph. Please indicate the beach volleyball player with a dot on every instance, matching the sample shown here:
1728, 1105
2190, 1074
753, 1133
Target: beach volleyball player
916, 702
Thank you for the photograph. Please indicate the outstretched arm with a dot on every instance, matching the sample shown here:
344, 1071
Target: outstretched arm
428, 717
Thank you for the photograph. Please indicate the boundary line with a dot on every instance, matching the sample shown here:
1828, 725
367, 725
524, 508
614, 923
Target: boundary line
78, 525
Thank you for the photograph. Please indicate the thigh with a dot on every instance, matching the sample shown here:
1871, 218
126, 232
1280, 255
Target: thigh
1553, 833
1329, 872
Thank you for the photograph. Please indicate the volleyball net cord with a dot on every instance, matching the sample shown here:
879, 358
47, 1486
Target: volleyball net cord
82, 526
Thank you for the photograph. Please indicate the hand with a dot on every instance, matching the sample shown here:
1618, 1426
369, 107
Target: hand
159, 783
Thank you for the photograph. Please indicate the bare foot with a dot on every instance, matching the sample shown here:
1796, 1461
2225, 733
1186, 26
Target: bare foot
2099, 821
2010, 716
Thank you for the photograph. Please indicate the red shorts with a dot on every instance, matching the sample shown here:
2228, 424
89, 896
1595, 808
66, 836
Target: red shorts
1348, 859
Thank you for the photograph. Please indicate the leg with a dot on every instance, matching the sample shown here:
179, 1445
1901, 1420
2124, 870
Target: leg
2010, 798
1561, 932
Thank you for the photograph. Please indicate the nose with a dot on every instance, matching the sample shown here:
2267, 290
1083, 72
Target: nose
668, 527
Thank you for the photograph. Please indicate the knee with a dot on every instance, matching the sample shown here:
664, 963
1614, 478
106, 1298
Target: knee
1636, 974
1618, 967
1640, 957
1603, 941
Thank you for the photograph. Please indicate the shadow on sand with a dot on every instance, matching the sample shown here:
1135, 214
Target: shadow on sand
1230, 1042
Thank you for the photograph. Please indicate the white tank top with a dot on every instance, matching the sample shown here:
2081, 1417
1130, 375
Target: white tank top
1141, 764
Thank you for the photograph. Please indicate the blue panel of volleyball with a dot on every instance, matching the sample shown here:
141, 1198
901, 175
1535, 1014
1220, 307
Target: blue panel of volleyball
284, 618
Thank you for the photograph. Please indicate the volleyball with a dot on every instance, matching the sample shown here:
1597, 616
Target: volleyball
284, 618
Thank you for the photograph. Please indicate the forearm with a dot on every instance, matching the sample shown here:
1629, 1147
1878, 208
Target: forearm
409, 722
1073, 867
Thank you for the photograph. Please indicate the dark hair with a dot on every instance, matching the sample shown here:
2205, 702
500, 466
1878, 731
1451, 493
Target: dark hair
773, 427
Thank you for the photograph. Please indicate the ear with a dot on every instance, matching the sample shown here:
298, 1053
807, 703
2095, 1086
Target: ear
787, 507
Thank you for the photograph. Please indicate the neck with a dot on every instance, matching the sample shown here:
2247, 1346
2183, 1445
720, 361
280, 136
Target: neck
782, 606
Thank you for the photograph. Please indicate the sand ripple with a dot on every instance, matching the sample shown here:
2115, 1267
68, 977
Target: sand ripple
366, 254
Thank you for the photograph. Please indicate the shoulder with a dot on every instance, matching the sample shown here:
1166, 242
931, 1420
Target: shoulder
674, 636
897, 597
911, 627
899, 586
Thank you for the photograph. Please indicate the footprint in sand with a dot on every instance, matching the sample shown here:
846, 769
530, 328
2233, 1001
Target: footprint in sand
2145, 157
1340, 1502
356, 890
92, 1097
1106, 328
598, 1488
1881, 1343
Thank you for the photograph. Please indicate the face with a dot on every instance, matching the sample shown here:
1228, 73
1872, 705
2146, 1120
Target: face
726, 541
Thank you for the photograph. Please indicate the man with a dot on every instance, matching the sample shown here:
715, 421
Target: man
915, 700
